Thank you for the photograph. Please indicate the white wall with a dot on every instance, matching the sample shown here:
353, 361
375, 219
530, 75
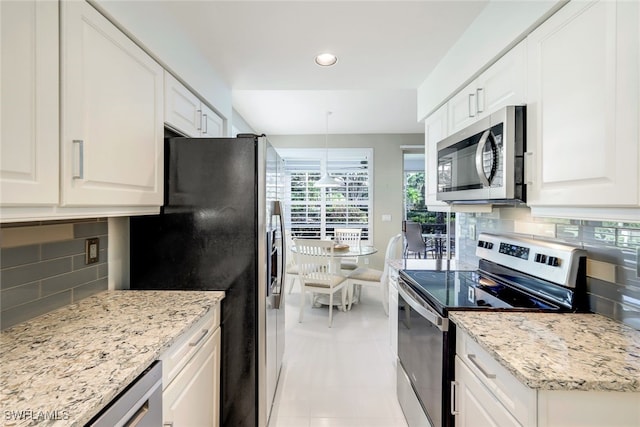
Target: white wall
387, 176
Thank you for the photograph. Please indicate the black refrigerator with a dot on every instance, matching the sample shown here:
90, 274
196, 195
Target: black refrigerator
221, 228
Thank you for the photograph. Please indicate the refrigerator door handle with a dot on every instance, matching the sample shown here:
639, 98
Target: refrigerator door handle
278, 211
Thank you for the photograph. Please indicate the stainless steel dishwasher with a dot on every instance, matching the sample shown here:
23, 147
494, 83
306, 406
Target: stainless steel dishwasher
139, 405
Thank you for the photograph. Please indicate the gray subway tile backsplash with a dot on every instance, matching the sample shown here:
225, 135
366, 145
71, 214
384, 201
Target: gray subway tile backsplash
62, 282
90, 229
35, 308
38, 278
62, 249
615, 243
30, 272
12, 257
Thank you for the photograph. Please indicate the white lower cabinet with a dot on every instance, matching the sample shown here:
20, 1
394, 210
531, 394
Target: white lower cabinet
476, 405
191, 376
485, 390
485, 393
393, 312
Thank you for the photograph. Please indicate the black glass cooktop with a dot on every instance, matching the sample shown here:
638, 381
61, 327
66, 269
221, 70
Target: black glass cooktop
447, 290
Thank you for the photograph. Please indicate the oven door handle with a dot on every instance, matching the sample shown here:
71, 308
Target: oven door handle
426, 312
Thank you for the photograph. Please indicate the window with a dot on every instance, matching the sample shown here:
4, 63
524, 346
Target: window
314, 212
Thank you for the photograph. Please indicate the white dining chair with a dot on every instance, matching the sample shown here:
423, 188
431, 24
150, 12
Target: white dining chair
314, 259
291, 268
351, 237
374, 278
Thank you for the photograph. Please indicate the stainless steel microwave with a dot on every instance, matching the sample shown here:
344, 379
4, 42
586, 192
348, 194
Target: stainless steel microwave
484, 163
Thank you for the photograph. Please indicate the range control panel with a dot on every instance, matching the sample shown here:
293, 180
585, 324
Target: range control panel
551, 261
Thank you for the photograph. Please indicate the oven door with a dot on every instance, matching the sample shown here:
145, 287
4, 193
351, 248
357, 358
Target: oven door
423, 353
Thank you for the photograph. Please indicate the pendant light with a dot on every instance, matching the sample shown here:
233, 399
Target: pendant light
327, 180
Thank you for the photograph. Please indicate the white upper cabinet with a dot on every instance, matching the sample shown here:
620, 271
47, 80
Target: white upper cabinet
184, 112
502, 84
435, 130
112, 122
29, 91
582, 114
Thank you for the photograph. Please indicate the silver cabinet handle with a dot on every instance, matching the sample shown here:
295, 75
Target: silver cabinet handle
137, 417
205, 124
528, 168
472, 359
479, 100
78, 159
200, 124
196, 342
169, 424
454, 410
471, 103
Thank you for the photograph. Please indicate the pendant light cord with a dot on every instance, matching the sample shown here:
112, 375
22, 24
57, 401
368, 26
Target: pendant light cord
326, 144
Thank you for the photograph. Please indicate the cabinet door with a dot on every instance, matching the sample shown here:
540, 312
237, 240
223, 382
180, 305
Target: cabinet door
583, 106
212, 125
181, 107
435, 130
475, 404
112, 124
504, 83
29, 87
463, 108
192, 398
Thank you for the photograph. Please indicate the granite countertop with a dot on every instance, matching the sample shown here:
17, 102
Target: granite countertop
73, 361
551, 351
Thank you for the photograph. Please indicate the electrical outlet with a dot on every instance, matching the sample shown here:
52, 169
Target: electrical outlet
366, 261
638, 262
472, 232
91, 250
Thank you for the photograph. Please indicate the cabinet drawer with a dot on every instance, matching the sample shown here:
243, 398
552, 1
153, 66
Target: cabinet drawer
476, 405
519, 399
183, 349
192, 399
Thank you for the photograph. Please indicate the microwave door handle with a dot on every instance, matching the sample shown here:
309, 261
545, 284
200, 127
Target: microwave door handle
479, 158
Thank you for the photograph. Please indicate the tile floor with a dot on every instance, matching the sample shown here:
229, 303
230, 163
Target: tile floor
341, 376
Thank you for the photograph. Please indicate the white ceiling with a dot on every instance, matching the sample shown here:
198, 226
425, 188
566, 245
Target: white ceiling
265, 51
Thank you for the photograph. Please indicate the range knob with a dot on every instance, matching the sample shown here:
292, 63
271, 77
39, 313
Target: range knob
541, 258
484, 244
553, 261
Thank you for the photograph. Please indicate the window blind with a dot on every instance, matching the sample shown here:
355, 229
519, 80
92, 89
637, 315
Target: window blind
315, 212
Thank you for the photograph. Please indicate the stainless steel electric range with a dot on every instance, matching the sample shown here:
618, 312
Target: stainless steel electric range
514, 273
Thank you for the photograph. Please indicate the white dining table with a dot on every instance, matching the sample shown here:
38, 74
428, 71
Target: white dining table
352, 251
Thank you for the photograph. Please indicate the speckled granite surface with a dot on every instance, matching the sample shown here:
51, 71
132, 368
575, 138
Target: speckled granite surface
559, 351
67, 364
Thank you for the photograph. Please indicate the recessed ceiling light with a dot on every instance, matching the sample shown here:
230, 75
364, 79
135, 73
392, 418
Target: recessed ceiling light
326, 59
